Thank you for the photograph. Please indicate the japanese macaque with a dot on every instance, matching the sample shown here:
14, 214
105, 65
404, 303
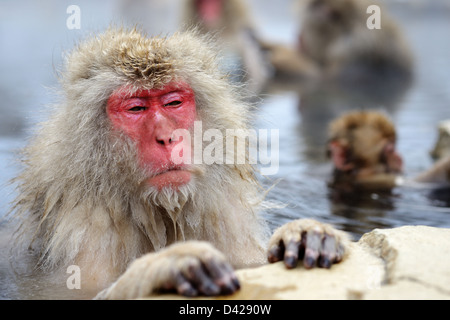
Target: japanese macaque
228, 17
231, 23
101, 189
288, 64
440, 171
441, 148
335, 35
362, 146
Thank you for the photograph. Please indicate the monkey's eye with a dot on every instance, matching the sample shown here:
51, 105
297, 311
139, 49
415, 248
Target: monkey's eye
173, 103
137, 109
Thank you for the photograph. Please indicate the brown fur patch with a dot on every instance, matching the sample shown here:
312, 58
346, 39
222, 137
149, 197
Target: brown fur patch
145, 59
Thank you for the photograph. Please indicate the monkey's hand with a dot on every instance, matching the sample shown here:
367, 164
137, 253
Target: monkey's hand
308, 240
190, 268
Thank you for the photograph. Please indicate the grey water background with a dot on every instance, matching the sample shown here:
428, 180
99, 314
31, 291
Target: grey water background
303, 114
34, 35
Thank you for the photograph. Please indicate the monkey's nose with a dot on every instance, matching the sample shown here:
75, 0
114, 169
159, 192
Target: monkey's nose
163, 133
164, 140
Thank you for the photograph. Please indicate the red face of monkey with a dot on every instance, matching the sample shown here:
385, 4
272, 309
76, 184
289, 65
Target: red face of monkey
149, 117
209, 11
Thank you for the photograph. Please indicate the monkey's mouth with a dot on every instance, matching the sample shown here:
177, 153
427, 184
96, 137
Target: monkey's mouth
172, 177
169, 168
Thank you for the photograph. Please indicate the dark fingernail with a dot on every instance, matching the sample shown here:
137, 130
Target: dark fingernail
275, 254
272, 258
236, 282
188, 292
229, 289
231, 286
210, 289
309, 262
325, 263
290, 261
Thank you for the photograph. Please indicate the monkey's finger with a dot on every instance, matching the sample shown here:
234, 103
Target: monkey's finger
328, 251
233, 278
312, 248
184, 287
200, 279
291, 254
223, 275
276, 253
213, 266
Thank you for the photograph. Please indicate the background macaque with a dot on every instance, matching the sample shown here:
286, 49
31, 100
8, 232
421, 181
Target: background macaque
442, 147
335, 35
362, 148
226, 17
439, 173
289, 64
100, 189
231, 23
363, 152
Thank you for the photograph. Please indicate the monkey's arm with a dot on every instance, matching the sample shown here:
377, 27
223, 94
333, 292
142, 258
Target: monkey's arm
438, 173
308, 240
190, 268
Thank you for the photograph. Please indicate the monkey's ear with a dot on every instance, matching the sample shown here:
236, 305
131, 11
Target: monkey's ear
338, 152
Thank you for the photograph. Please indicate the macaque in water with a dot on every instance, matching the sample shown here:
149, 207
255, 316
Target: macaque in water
441, 148
440, 171
334, 34
362, 146
101, 189
231, 23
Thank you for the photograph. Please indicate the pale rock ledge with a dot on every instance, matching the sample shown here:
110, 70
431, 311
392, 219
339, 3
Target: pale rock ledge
411, 262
